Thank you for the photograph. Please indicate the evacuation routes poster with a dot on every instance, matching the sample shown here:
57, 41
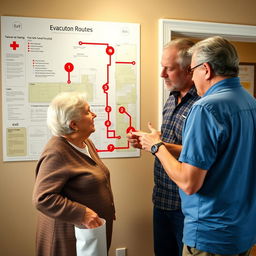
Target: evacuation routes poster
43, 57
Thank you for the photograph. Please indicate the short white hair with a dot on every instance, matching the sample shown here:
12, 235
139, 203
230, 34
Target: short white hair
63, 109
219, 53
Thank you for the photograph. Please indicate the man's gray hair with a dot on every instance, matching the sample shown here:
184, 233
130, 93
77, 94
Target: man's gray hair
64, 108
183, 45
219, 53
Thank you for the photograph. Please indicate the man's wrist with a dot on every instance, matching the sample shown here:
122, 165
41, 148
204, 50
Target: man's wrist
154, 149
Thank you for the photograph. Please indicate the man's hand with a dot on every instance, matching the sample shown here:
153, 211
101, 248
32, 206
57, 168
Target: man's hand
134, 140
147, 140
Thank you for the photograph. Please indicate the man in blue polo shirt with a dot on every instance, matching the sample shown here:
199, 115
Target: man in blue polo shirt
216, 171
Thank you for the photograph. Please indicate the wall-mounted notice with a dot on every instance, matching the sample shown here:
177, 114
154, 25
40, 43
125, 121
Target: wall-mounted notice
43, 57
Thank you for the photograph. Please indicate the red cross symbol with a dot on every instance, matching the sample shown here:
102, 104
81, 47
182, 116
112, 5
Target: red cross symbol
14, 45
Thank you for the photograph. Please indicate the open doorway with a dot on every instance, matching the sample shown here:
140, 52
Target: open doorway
243, 36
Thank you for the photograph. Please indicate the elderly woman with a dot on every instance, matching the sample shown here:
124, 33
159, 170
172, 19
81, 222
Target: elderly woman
72, 184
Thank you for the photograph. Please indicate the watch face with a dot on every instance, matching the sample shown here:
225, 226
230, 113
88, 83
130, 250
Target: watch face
154, 149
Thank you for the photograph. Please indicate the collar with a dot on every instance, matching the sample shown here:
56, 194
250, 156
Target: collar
192, 92
230, 83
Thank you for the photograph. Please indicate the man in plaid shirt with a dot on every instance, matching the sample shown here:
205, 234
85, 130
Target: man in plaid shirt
167, 217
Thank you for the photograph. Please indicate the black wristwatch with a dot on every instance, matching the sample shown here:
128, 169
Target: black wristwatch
155, 147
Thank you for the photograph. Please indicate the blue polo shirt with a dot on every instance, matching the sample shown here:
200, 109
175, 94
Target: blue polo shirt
219, 136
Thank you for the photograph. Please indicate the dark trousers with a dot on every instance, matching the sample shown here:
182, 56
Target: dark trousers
168, 232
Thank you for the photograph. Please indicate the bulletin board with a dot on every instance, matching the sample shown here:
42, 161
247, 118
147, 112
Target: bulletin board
247, 76
42, 57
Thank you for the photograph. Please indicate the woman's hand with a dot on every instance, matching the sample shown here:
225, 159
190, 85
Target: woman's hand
91, 219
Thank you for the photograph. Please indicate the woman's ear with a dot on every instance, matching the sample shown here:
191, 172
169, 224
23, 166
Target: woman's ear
73, 125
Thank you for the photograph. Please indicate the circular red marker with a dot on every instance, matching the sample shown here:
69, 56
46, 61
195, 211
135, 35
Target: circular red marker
111, 147
110, 50
108, 109
133, 63
80, 42
105, 87
107, 123
122, 110
130, 129
69, 67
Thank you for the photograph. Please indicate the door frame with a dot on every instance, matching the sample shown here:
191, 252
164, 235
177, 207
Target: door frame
169, 28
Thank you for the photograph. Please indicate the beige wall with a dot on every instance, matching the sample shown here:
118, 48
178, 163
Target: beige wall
131, 178
247, 51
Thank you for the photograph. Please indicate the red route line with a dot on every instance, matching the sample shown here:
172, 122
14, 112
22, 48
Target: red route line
69, 78
126, 62
130, 118
112, 137
127, 147
108, 65
93, 43
102, 150
107, 105
111, 147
